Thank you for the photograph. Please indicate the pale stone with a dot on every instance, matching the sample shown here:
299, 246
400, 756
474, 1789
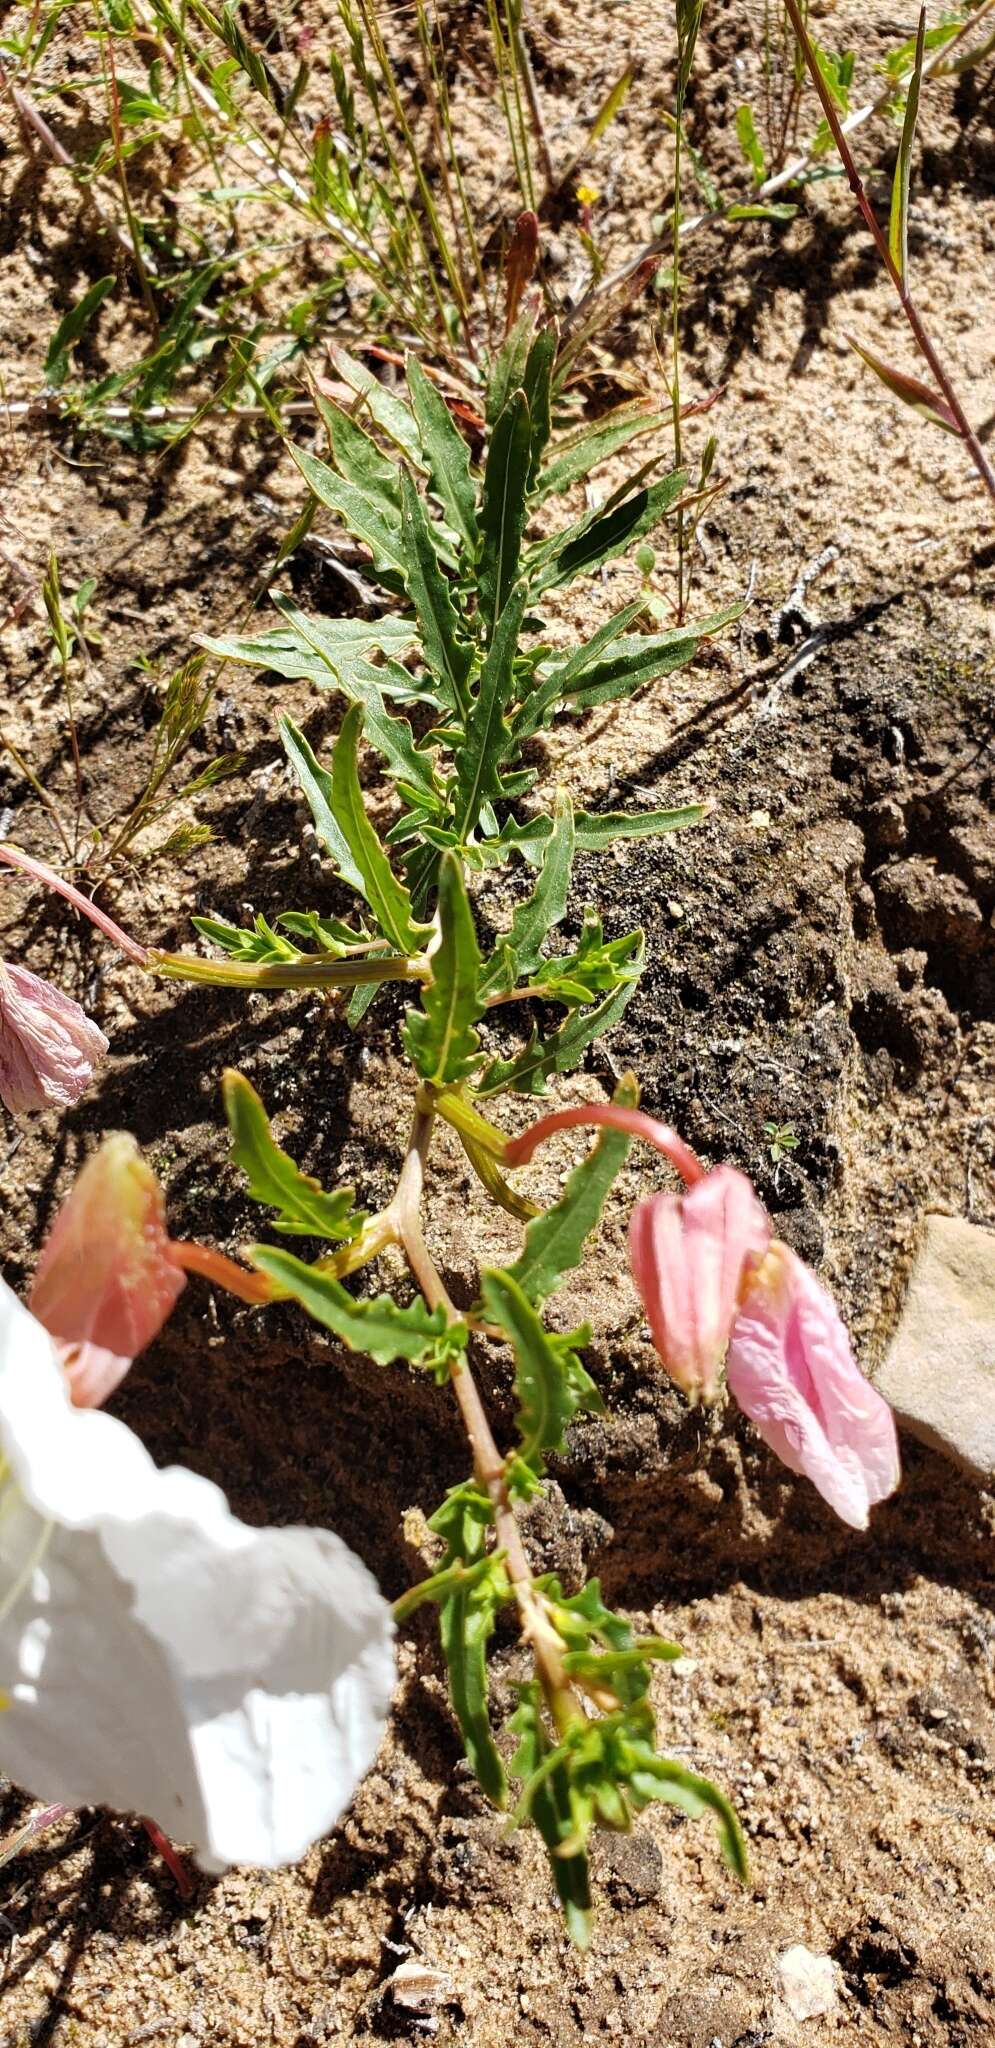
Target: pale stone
807, 1983
939, 1373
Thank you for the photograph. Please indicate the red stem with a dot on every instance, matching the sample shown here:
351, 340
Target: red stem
519, 1150
171, 1857
254, 1288
41, 873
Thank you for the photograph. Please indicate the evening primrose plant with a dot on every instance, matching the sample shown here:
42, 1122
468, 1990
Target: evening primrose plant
448, 687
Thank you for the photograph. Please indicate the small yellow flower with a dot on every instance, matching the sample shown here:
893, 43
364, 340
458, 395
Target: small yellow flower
587, 194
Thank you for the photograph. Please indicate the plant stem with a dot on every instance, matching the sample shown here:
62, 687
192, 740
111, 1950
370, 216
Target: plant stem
310, 971
906, 301
42, 873
662, 1137
490, 1468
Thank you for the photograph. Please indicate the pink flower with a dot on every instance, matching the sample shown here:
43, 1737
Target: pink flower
48, 1045
793, 1373
688, 1256
107, 1278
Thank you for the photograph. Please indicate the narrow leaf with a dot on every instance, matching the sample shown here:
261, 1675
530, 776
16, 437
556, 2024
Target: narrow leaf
361, 682
537, 384
550, 1382
508, 367
378, 1328
528, 1072
386, 895
597, 830
749, 142
447, 454
543, 910
555, 1241
70, 328
503, 507
316, 785
440, 1038
304, 1208
488, 737
582, 548
898, 229
392, 416
575, 458
365, 517
331, 644
910, 390
466, 1623
447, 654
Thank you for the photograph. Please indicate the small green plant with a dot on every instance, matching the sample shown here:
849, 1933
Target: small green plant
782, 1140
451, 544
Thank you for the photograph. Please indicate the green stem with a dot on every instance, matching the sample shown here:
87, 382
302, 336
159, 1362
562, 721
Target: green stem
310, 971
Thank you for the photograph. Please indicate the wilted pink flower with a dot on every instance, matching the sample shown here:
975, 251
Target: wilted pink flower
793, 1373
48, 1045
688, 1256
107, 1278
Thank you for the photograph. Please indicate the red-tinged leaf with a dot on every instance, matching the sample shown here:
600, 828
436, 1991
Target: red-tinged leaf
910, 390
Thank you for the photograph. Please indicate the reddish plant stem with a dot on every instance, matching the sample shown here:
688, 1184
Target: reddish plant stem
254, 1288
171, 1857
42, 873
519, 1150
906, 301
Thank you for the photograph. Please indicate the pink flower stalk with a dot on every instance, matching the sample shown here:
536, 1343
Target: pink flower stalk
42, 873
716, 1284
48, 1045
688, 1255
793, 1373
107, 1277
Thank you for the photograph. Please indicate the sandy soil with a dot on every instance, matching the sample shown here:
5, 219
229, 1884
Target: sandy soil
821, 955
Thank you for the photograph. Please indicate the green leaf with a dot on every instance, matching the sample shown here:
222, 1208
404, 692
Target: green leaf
508, 368
520, 951
898, 229
316, 784
597, 830
447, 454
659, 1777
359, 460
305, 1210
466, 1623
537, 385
440, 1038
555, 1241
768, 209
583, 547
364, 516
600, 1645
447, 653
378, 1327
550, 1381
324, 653
503, 508
749, 142
392, 416
70, 329
528, 1072
488, 737
911, 390
260, 942
392, 737
633, 660
599, 964
387, 897
573, 459
546, 1798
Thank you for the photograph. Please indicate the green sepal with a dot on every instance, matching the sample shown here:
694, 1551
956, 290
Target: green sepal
466, 1623
378, 1327
304, 1208
555, 1240
440, 1038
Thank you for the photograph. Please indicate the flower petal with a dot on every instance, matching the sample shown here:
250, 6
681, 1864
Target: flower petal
793, 1373
48, 1045
688, 1254
160, 1656
106, 1278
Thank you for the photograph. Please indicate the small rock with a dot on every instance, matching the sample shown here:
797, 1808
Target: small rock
939, 1373
807, 1983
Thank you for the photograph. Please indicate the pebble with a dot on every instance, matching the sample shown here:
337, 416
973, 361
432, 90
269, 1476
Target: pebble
807, 1983
939, 1372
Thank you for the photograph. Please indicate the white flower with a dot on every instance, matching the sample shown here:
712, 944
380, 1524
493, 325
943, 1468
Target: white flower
159, 1656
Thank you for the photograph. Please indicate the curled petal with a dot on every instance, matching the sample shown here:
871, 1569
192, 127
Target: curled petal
688, 1255
48, 1045
107, 1278
159, 1656
793, 1373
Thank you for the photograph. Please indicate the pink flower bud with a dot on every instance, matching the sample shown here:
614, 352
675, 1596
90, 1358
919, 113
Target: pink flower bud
793, 1373
48, 1045
107, 1278
688, 1255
